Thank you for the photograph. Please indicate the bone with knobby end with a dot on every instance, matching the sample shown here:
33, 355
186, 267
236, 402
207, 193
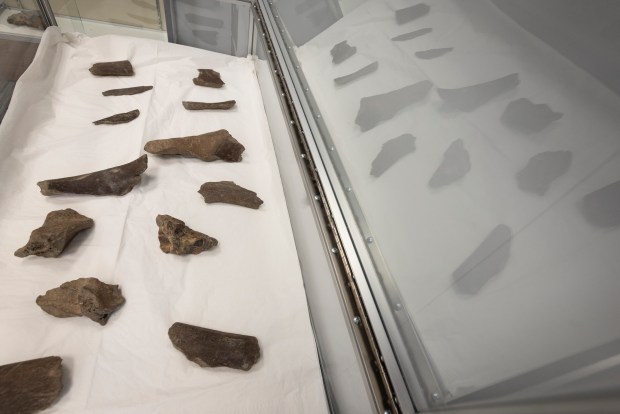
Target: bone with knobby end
212, 146
209, 78
117, 68
229, 192
175, 237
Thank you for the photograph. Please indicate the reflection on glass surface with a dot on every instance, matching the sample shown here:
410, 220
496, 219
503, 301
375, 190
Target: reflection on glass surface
481, 141
17, 19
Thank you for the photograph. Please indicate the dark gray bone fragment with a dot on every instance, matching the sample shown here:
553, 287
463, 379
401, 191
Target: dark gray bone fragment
229, 192
391, 152
112, 181
204, 21
212, 146
489, 259
86, 296
342, 51
209, 78
602, 207
455, 165
412, 35
542, 169
207, 36
118, 68
211, 348
122, 118
175, 237
527, 117
27, 18
409, 14
343, 80
197, 106
28, 387
433, 53
471, 97
127, 91
57, 231
379, 108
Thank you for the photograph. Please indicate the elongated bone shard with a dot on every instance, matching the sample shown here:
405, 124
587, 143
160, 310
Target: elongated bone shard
112, 181
118, 68
409, 14
433, 53
211, 348
197, 106
175, 237
366, 70
86, 296
342, 51
127, 91
391, 152
28, 387
212, 146
209, 78
471, 97
57, 231
122, 118
229, 192
412, 35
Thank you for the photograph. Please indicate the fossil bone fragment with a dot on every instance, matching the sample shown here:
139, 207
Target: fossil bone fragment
409, 14
455, 165
127, 91
199, 20
433, 53
412, 35
368, 69
391, 152
27, 18
527, 117
217, 145
342, 51
57, 231
197, 106
209, 78
379, 108
542, 169
489, 259
118, 68
122, 118
175, 237
211, 348
471, 97
229, 192
87, 296
28, 387
602, 207
112, 181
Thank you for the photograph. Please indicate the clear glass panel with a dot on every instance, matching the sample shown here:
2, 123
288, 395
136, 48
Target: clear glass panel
20, 19
480, 143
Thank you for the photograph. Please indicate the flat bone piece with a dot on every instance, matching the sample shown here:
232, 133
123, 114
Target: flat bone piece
27, 18
122, 118
378, 108
366, 70
542, 169
57, 231
342, 51
471, 97
211, 348
127, 91
112, 181
455, 165
209, 78
229, 192
527, 117
412, 35
86, 296
433, 53
409, 14
118, 68
212, 146
197, 106
28, 387
602, 207
175, 237
391, 152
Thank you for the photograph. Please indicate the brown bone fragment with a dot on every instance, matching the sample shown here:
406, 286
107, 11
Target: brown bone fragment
112, 181
119, 68
196, 106
30, 386
127, 91
122, 118
229, 192
27, 18
87, 296
175, 237
212, 146
209, 78
211, 348
59, 228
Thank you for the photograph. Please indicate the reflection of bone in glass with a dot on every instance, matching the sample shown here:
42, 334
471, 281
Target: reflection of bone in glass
204, 20
455, 165
391, 152
542, 169
602, 207
471, 97
433, 53
207, 36
366, 70
342, 51
409, 14
412, 35
527, 117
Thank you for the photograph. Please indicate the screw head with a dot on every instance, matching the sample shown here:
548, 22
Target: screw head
317, 197
303, 155
318, 116
398, 306
387, 412
435, 396
334, 250
349, 189
292, 122
357, 320
369, 240
332, 148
